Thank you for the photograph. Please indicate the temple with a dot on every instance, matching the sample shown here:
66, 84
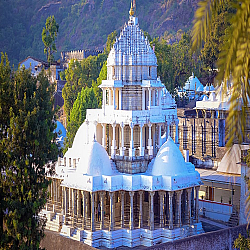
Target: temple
125, 182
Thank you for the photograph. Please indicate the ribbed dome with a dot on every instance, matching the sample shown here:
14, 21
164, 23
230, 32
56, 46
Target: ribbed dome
94, 160
169, 160
193, 83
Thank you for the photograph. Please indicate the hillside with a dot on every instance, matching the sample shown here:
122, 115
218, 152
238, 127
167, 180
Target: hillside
84, 24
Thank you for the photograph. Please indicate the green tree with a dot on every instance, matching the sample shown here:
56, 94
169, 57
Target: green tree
242, 243
27, 143
110, 41
49, 35
86, 99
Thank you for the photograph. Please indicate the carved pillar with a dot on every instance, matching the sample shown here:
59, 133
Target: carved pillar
114, 98
159, 136
122, 208
149, 98
167, 131
197, 203
161, 194
63, 201
141, 141
113, 148
176, 132
143, 99
179, 193
92, 194
170, 195
102, 209
120, 99
122, 146
66, 204
132, 150
112, 211
104, 135
131, 223
189, 205
140, 212
83, 209
150, 147
73, 206
151, 210
78, 204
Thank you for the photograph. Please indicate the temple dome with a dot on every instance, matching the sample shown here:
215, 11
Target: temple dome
94, 160
169, 160
193, 83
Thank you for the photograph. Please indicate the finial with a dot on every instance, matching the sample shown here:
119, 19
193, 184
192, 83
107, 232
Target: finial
131, 12
94, 140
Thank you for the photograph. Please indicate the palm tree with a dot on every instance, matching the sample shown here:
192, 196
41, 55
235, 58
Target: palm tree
233, 62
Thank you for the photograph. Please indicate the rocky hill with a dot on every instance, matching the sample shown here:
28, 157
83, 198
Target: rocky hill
85, 24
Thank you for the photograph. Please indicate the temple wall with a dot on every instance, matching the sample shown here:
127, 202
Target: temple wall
217, 240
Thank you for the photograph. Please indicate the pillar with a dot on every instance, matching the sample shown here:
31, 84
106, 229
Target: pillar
143, 99
102, 209
122, 143
140, 212
179, 193
113, 147
189, 190
131, 222
161, 194
78, 205
150, 147
151, 210
114, 98
112, 211
63, 198
176, 133
153, 97
69, 193
65, 205
159, 136
122, 208
197, 203
83, 209
141, 141
120, 99
170, 195
104, 135
92, 194
73, 206
110, 97
103, 99
132, 150
149, 98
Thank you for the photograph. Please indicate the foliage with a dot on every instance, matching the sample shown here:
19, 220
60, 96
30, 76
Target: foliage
27, 143
49, 35
234, 58
86, 99
242, 243
110, 41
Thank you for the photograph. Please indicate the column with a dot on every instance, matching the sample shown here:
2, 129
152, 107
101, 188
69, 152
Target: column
149, 98
122, 208
104, 135
110, 101
141, 141
63, 198
176, 133
102, 209
73, 206
78, 205
153, 97
140, 212
112, 211
69, 193
171, 193
143, 99
132, 150
114, 98
150, 147
113, 147
131, 223
151, 210
120, 99
65, 204
161, 194
197, 204
103, 99
83, 209
179, 193
167, 131
189, 205
92, 194
122, 145
159, 135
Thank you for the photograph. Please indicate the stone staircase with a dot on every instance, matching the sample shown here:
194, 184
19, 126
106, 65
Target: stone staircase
234, 219
55, 223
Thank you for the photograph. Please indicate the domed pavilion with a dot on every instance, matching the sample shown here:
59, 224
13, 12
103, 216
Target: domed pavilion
125, 182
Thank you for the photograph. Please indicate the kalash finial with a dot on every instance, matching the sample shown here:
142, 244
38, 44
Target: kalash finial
131, 12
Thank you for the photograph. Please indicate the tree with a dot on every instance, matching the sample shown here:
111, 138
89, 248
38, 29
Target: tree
27, 143
233, 60
49, 35
86, 99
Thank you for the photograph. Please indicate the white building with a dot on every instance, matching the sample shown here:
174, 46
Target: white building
109, 189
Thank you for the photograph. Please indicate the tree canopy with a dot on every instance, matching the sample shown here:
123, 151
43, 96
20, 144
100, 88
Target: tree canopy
49, 35
27, 143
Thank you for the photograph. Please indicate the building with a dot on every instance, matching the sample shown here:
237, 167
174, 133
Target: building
122, 183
